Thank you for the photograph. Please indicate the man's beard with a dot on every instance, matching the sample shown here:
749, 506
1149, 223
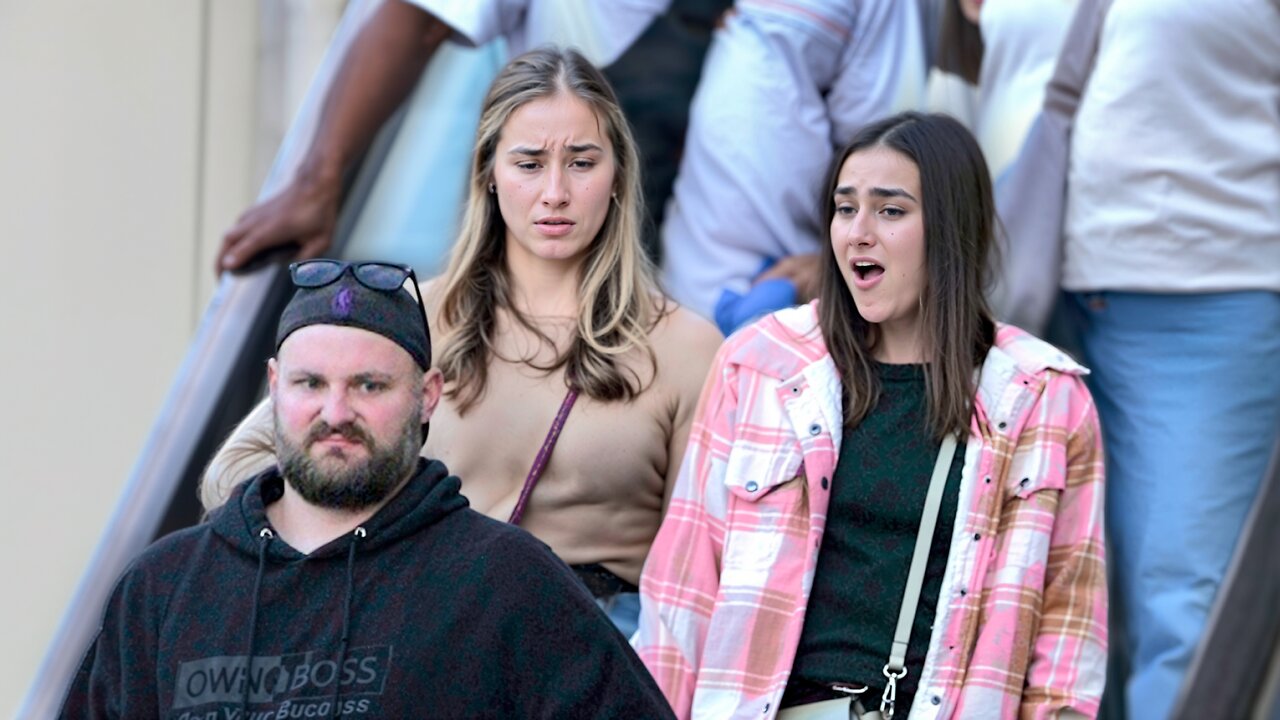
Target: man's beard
356, 486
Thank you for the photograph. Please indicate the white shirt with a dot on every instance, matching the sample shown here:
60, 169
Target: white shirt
784, 84
1174, 178
600, 29
1021, 41
951, 94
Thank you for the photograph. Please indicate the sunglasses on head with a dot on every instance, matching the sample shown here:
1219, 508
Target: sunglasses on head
385, 277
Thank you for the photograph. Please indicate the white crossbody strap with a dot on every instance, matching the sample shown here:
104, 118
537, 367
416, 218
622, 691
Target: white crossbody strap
896, 668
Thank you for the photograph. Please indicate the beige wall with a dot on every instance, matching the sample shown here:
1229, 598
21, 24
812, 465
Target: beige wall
127, 145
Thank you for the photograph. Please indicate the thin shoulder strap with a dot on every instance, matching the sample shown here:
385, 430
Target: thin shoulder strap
924, 541
896, 669
1076, 58
1031, 195
544, 454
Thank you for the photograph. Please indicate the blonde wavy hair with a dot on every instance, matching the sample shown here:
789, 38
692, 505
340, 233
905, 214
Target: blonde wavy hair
619, 302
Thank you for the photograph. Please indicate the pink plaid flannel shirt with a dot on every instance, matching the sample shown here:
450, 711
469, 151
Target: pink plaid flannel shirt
1021, 625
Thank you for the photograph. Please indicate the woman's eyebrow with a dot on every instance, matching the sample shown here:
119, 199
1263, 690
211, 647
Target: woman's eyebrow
539, 152
877, 192
528, 151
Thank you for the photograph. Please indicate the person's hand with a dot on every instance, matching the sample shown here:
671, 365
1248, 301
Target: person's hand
303, 214
804, 271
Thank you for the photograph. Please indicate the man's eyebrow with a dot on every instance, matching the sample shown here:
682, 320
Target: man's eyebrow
877, 192
372, 376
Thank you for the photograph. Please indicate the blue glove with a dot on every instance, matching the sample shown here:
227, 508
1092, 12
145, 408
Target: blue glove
733, 310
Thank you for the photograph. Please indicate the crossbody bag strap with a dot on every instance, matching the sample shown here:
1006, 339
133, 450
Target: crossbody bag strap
544, 454
896, 669
1031, 195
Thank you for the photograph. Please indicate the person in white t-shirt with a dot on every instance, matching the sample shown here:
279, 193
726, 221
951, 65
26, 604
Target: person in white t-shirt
994, 59
1172, 272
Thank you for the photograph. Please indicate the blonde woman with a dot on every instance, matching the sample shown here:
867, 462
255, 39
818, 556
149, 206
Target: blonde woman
549, 317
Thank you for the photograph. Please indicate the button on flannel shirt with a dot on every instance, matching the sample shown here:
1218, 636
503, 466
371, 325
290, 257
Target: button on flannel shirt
1021, 626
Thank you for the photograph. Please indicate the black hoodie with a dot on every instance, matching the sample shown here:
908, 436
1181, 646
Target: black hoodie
429, 610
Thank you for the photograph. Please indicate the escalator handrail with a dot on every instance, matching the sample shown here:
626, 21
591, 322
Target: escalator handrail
170, 451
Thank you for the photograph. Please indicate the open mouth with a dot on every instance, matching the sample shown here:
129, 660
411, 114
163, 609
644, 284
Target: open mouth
867, 270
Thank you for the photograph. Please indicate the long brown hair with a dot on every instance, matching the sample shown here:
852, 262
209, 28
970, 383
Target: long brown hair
619, 301
959, 217
960, 46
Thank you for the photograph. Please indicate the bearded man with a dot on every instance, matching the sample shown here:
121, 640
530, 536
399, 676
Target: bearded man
353, 580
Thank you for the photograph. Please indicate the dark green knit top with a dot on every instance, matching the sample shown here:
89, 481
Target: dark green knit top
877, 495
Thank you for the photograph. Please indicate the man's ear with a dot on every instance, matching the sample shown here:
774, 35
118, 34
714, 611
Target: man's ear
432, 387
273, 372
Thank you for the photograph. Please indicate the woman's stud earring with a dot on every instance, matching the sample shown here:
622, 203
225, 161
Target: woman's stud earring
492, 188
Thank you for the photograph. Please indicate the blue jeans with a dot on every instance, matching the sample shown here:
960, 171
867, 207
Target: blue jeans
624, 610
1188, 392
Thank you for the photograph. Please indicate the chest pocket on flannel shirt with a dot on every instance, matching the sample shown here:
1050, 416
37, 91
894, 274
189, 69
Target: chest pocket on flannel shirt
767, 495
763, 527
753, 472
1030, 474
1030, 504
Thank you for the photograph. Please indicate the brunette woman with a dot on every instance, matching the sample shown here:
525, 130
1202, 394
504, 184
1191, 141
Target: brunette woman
890, 420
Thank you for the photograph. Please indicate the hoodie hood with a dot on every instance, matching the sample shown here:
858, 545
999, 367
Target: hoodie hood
428, 496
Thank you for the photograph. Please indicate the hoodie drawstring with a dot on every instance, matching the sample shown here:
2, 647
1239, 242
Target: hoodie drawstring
358, 534
265, 535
